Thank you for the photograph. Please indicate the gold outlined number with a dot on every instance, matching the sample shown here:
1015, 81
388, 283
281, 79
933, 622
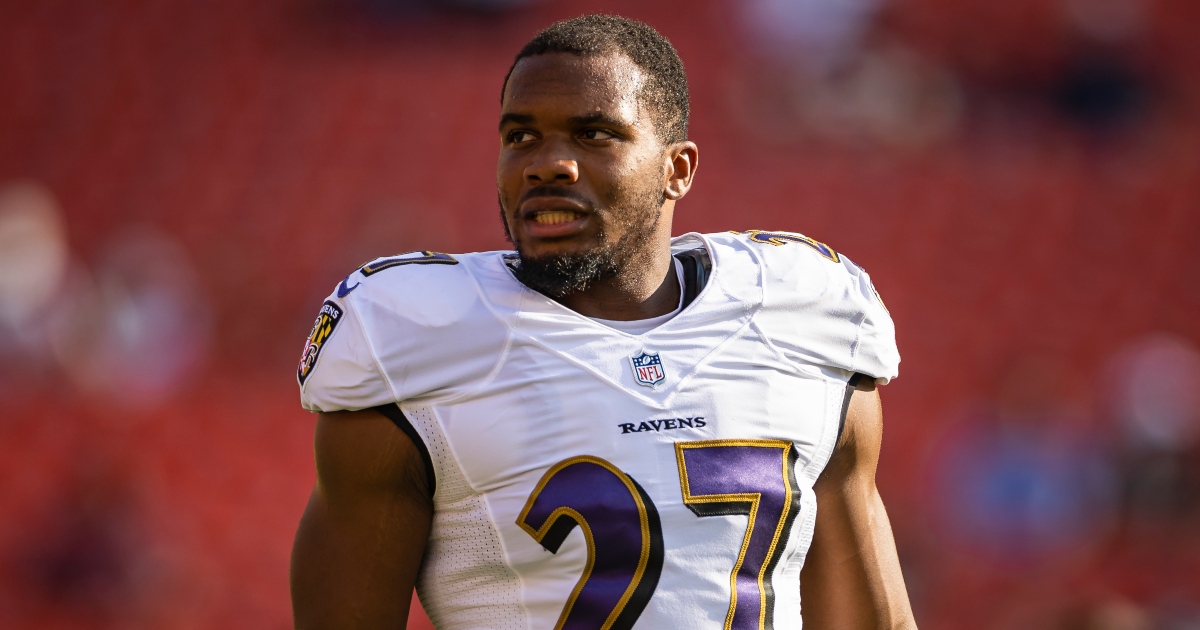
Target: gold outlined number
782, 238
755, 478
623, 534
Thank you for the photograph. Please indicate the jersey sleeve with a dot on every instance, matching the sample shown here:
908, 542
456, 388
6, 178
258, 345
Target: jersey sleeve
821, 309
874, 351
338, 369
401, 329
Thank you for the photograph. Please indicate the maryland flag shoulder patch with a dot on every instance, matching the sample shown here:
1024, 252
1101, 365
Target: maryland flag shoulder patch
327, 320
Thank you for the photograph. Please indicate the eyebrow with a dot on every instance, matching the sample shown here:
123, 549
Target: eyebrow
598, 117
516, 119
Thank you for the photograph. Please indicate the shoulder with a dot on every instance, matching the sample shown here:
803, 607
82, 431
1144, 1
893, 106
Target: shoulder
393, 329
819, 307
422, 293
408, 284
794, 269
791, 257
425, 290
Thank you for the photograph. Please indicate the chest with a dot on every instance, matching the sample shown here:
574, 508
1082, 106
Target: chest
604, 490
542, 406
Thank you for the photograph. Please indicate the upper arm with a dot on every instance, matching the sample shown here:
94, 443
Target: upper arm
851, 578
363, 533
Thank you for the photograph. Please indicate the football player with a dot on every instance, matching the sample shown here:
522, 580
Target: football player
609, 427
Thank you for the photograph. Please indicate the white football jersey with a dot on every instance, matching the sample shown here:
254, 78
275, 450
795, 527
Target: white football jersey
587, 478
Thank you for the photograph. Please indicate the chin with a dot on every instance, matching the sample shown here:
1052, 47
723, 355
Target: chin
566, 248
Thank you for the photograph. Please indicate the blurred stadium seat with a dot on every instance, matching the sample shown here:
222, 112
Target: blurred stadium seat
282, 143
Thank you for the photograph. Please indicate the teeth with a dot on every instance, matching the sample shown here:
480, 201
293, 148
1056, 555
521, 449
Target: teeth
553, 217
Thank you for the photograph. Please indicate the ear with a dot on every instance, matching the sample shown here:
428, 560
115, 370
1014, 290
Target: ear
681, 161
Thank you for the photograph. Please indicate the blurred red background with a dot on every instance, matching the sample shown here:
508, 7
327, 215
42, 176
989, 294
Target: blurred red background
182, 182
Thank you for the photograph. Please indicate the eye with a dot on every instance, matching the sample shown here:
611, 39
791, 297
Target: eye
598, 134
516, 137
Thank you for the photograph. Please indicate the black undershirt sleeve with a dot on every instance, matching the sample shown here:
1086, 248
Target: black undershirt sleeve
393, 413
850, 385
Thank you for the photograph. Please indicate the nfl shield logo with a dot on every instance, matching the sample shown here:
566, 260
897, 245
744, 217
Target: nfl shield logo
647, 369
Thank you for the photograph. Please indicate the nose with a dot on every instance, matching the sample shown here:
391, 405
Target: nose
552, 164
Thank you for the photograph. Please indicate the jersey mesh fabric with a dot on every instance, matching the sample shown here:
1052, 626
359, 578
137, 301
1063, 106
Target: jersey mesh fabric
464, 581
834, 395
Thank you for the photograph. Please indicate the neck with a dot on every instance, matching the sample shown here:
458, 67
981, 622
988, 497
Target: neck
647, 288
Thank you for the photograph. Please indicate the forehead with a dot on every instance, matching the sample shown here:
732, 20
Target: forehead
574, 85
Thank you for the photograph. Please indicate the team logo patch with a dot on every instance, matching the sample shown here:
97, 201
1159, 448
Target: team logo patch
327, 320
647, 369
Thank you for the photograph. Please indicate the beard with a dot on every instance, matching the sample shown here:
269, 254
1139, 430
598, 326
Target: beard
563, 275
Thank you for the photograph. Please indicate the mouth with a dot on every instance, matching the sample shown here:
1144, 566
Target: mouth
553, 217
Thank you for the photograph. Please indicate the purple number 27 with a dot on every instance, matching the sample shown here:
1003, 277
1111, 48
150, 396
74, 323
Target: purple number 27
754, 478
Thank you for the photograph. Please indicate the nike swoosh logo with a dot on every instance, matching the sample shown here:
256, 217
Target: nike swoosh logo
344, 290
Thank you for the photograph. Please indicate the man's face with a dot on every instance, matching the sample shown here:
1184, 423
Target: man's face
581, 173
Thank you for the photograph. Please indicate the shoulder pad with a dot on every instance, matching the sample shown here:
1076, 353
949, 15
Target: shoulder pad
352, 281
821, 308
401, 334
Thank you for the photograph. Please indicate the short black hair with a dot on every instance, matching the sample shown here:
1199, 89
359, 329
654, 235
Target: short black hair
666, 89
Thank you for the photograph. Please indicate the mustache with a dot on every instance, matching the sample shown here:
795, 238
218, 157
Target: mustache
554, 191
